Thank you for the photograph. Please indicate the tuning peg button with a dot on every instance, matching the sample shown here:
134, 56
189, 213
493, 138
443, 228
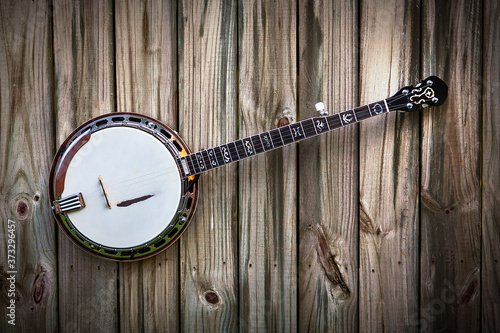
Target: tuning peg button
320, 107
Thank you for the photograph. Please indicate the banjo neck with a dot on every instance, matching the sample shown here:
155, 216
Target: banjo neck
431, 91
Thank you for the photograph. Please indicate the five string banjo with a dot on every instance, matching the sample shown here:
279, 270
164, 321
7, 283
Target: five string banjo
138, 209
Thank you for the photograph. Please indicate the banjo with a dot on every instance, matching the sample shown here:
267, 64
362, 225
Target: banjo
138, 209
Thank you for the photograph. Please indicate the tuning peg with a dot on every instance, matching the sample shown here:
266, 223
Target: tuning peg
320, 107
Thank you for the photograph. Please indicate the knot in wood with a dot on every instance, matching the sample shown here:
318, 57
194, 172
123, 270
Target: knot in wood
39, 286
211, 297
285, 118
22, 209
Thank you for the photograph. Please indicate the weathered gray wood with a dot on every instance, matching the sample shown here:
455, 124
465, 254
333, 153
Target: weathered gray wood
84, 88
490, 230
149, 297
207, 116
67, 71
26, 147
388, 189
328, 165
146, 58
450, 229
267, 186
146, 80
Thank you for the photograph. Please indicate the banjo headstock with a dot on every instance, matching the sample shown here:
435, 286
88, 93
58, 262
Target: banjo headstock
431, 91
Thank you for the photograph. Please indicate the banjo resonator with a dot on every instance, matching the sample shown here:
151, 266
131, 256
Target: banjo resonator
116, 187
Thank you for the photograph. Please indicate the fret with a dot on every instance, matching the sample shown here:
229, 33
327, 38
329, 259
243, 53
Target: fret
248, 145
320, 125
192, 162
195, 159
206, 160
347, 117
297, 131
286, 134
327, 125
190, 165
362, 113
212, 157
334, 121
276, 138
225, 154
240, 148
266, 141
371, 115
308, 127
377, 108
257, 144
196, 166
200, 161
218, 156
233, 152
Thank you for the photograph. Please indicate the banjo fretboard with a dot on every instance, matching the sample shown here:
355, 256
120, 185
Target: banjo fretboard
215, 157
431, 91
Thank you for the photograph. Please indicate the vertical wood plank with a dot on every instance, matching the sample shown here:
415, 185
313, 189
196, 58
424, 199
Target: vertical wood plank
268, 199
490, 230
146, 58
328, 165
146, 80
389, 179
26, 148
450, 282
207, 116
84, 76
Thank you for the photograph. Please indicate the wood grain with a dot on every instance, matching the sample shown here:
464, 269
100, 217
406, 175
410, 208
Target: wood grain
146, 58
269, 232
26, 147
490, 229
388, 189
84, 88
207, 117
146, 80
328, 168
268, 184
451, 242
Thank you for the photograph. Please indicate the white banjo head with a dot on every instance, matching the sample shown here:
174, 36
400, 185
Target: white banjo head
117, 188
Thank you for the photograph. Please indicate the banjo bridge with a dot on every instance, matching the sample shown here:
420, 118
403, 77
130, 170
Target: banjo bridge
68, 203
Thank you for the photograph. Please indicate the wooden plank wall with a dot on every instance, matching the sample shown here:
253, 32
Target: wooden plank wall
208, 104
328, 166
85, 84
450, 187
390, 225
27, 144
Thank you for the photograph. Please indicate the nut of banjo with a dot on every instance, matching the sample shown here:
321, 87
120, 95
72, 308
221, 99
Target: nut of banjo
68, 203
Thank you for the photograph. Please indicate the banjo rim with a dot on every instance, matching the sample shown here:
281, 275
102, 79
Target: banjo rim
189, 189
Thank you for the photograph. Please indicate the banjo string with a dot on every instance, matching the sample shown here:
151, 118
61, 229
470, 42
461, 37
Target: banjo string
129, 183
